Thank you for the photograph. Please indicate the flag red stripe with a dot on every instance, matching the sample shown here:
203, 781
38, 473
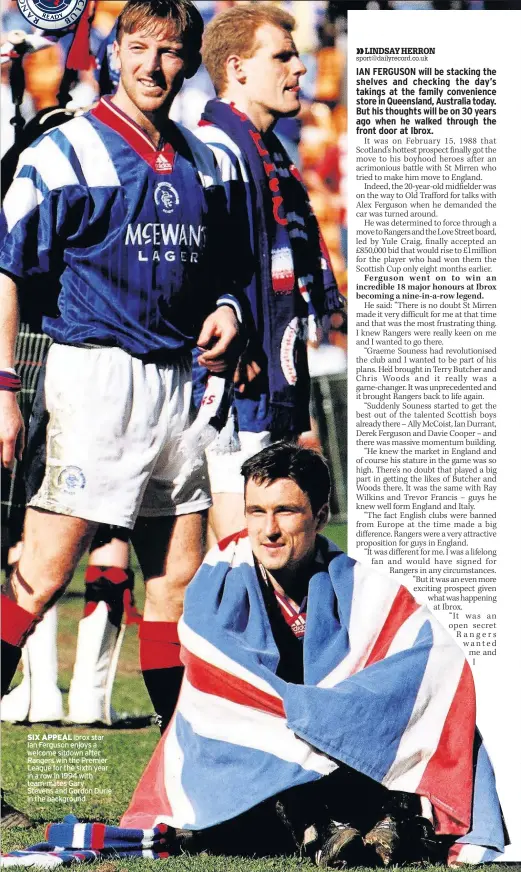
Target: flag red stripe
223, 544
450, 771
210, 679
150, 799
404, 605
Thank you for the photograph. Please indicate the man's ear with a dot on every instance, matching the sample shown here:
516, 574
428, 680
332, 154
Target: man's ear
322, 517
234, 70
192, 65
115, 57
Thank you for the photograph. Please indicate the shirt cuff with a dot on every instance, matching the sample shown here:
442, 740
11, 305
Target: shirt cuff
230, 300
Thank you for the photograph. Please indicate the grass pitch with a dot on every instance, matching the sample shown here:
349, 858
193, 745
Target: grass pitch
127, 749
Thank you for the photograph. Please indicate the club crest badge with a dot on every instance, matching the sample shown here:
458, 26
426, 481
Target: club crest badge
71, 479
52, 14
166, 197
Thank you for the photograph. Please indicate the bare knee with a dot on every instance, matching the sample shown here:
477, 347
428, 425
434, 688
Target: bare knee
52, 547
165, 593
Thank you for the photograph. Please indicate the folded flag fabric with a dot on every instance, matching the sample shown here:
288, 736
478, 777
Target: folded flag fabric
386, 691
72, 842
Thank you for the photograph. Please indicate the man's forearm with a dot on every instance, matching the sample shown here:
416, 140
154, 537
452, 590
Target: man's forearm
9, 320
11, 422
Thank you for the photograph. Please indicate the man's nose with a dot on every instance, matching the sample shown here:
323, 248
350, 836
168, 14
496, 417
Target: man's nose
151, 61
298, 67
271, 527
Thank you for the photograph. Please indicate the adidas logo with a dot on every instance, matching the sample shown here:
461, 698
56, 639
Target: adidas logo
299, 626
162, 164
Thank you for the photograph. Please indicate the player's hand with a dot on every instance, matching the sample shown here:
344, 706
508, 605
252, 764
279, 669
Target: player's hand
219, 339
246, 371
11, 429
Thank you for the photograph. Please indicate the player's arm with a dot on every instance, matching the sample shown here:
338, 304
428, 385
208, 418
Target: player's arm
234, 260
11, 421
219, 337
34, 225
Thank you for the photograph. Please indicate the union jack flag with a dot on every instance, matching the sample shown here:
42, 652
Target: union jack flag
386, 691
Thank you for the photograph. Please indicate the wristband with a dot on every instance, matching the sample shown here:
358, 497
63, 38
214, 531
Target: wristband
233, 303
9, 381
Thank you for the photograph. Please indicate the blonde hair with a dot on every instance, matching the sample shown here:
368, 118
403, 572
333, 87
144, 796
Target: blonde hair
180, 15
233, 32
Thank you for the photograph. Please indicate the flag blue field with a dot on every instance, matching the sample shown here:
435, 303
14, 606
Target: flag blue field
386, 691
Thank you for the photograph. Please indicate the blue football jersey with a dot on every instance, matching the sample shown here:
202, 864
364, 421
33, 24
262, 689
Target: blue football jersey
253, 406
133, 236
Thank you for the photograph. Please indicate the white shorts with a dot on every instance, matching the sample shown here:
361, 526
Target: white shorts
224, 469
114, 427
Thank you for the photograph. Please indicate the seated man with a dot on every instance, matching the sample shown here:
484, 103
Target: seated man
317, 687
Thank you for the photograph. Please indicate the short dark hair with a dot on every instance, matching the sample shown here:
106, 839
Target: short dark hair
182, 15
305, 467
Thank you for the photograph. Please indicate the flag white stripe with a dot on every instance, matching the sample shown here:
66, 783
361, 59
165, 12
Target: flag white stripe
372, 601
431, 707
233, 555
182, 809
215, 718
208, 652
470, 854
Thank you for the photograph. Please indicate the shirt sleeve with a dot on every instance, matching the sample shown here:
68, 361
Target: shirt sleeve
36, 219
233, 256
45, 210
